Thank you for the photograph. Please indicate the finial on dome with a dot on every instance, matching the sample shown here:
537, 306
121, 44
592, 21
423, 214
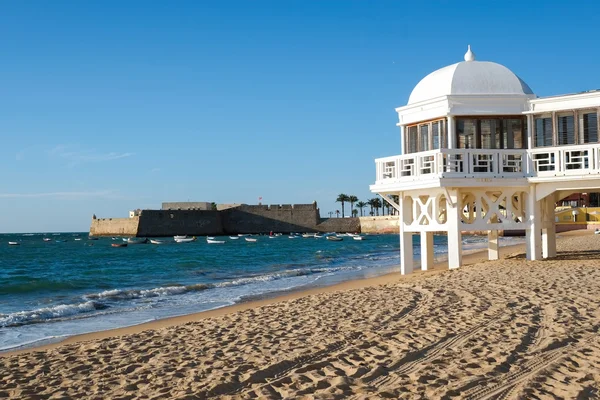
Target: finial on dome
469, 55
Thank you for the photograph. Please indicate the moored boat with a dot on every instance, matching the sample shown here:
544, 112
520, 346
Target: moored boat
47, 239
137, 240
358, 237
335, 238
157, 241
13, 243
180, 237
234, 237
185, 240
118, 244
249, 239
213, 241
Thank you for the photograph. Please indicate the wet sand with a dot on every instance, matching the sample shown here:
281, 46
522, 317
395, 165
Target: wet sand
493, 329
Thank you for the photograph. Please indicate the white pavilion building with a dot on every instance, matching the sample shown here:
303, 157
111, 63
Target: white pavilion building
481, 152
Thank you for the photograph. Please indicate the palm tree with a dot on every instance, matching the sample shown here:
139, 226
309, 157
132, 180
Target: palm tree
352, 199
361, 205
377, 204
371, 203
396, 200
341, 199
355, 213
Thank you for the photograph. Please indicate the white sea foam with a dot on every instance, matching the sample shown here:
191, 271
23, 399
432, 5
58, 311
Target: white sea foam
48, 313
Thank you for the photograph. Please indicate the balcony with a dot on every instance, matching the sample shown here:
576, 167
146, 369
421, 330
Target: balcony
443, 167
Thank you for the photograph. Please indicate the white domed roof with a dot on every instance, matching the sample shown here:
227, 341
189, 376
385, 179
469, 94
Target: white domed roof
469, 77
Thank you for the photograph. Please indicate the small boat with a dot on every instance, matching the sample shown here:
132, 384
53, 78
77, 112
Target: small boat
358, 237
308, 235
249, 239
185, 240
118, 244
157, 241
335, 238
215, 241
114, 238
13, 243
47, 239
292, 237
60, 240
234, 237
272, 237
137, 240
77, 238
210, 238
180, 237
318, 236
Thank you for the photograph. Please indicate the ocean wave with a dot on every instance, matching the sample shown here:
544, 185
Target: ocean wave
130, 294
49, 313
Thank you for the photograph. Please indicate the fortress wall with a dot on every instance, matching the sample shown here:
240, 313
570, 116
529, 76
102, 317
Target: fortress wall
114, 226
187, 205
339, 225
156, 223
283, 218
385, 224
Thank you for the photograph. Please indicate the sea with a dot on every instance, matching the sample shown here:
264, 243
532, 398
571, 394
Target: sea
56, 285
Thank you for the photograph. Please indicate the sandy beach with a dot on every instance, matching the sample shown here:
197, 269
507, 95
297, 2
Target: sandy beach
493, 329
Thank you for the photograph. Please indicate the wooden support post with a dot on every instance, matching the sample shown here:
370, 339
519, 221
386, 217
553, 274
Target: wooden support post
453, 211
426, 250
533, 231
406, 245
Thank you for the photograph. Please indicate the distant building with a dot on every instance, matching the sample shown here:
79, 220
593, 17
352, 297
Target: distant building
135, 213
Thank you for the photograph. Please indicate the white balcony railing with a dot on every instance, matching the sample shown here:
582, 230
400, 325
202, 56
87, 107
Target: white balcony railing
480, 163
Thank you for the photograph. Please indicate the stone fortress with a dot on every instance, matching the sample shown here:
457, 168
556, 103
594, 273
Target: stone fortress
202, 218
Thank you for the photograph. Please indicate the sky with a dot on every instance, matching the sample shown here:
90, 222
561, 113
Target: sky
109, 106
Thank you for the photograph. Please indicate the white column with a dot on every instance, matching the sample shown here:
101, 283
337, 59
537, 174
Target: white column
533, 231
453, 211
402, 140
406, 248
450, 133
549, 230
530, 132
426, 250
493, 248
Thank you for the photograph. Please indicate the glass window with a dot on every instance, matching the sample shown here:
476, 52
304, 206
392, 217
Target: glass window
466, 130
424, 146
490, 134
543, 131
588, 126
512, 132
566, 128
444, 134
412, 139
435, 134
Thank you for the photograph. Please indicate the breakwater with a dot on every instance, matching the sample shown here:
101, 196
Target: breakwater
284, 218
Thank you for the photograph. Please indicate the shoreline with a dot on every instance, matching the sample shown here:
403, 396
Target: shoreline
440, 266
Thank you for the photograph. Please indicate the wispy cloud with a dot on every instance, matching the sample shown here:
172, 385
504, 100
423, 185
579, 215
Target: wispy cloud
106, 194
76, 156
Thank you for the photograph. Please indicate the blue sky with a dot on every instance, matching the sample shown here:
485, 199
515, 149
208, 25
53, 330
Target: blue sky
115, 105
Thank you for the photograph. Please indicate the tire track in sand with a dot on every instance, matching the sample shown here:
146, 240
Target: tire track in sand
503, 385
383, 376
278, 370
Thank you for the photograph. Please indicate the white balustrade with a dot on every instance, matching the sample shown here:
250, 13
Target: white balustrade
481, 163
